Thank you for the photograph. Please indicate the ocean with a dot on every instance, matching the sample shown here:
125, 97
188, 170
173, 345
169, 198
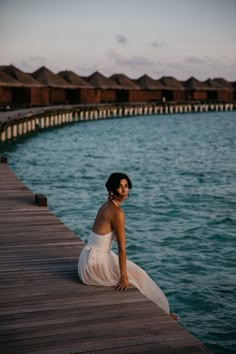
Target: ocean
180, 214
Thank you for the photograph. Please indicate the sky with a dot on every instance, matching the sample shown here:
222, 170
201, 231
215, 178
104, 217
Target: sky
180, 38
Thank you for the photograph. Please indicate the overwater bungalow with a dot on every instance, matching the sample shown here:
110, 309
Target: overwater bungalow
108, 88
31, 93
10, 90
233, 83
173, 89
57, 86
152, 89
219, 90
195, 89
83, 92
129, 91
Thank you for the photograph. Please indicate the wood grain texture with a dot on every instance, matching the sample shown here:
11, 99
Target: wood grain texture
45, 309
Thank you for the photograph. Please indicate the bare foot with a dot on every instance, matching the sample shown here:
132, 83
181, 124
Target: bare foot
176, 318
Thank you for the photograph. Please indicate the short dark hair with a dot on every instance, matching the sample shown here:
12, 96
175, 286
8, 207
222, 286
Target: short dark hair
113, 181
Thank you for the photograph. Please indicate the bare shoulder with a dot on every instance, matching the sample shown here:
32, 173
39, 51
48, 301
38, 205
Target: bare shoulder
118, 218
118, 211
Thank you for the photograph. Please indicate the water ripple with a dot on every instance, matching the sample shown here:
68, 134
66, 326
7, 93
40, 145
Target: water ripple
181, 212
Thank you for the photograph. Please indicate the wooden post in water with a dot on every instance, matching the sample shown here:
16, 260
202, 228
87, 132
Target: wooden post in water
3, 136
51, 119
9, 132
14, 130
25, 125
20, 128
76, 116
33, 123
56, 119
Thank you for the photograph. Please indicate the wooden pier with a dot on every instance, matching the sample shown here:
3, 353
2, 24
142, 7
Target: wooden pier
45, 309
20, 122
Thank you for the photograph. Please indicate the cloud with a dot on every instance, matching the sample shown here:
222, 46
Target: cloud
156, 44
31, 63
194, 60
133, 61
121, 39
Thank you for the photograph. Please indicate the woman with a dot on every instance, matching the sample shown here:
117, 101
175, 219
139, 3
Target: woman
98, 265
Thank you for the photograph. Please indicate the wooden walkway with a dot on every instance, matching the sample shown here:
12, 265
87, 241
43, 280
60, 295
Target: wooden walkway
43, 306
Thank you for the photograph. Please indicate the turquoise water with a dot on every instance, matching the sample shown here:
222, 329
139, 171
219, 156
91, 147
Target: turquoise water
181, 213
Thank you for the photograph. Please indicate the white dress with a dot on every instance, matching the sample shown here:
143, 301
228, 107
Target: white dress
98, 265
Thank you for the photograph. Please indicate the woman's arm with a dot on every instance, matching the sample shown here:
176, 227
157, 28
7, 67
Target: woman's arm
118, 225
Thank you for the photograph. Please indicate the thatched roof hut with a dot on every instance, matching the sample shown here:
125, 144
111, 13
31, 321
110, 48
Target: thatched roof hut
48, 78
107, 87
172, 83
194, 84
196, 90
152, 89
100, 81
31, 92
8, 81
219, 89
84, 93
147, 83
130, 92
22, 77
124, 82
74, 79
57, 85
173, 89
224, 83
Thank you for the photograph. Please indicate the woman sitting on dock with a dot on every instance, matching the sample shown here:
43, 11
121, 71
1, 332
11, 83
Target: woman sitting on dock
98, 265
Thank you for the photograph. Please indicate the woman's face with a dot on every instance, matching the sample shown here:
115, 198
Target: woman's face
123, 189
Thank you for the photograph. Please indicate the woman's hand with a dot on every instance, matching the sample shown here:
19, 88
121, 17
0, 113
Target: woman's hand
123, 283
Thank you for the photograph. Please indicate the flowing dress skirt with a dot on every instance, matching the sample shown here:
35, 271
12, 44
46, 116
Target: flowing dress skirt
98, 265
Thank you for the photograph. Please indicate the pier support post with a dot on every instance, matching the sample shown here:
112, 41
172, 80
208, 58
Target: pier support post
9, 132
51, 120
14, 130
29, 126
47, 122
3, 136
25, 127
33, 124
56, 119
20, 128
42, 123
76, 117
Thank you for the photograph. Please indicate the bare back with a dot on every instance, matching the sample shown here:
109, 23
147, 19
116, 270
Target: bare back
103, 223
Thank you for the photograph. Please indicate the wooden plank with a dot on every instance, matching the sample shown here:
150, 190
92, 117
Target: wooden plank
44, 307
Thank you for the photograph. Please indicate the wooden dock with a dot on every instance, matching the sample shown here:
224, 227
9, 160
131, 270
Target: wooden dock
44, 309
20, 122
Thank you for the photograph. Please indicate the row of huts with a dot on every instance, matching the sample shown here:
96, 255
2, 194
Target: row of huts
43, 87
